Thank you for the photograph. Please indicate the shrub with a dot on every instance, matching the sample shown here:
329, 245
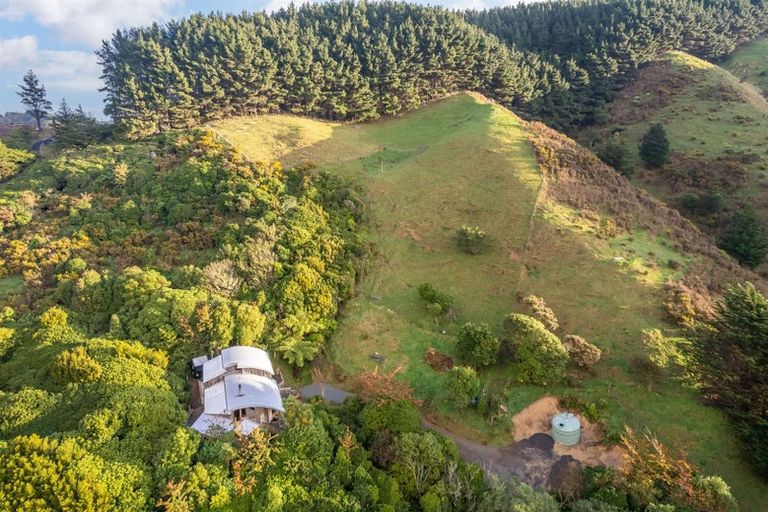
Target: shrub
583, 353
221, 277
645, 371
75, 366
461, 385
712, 494
664, 351
397, 416
540, 354
432, 296
542, 312
654, 148
477, 345
471, 240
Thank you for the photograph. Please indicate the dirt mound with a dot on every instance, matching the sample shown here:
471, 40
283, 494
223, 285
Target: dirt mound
437, 360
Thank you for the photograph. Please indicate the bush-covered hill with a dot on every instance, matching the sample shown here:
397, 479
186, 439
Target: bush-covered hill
715, 125
599, 251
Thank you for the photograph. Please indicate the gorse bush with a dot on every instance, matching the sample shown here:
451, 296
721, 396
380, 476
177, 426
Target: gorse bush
75, 366
471, 240
542, 312
582, 353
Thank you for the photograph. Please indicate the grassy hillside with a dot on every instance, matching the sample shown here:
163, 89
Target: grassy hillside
716, 125
563, 226
750, 63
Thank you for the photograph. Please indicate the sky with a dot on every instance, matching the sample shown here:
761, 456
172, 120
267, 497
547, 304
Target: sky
57, 39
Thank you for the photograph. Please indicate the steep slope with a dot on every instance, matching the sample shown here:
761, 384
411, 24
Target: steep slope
750, 63
563, 226
716, 125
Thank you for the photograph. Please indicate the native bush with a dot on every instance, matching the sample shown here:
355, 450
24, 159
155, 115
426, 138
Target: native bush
477, 345
461, 385
75, 366
541, 357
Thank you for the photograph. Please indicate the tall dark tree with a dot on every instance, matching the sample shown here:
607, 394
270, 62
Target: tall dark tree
33, 96
616, 154
76, 127
745, 238
731, 361
654, 148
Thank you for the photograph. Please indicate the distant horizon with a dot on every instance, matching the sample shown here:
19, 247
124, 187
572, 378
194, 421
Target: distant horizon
57, 40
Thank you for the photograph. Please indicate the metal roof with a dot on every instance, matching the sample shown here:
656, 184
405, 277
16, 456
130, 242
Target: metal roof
237, 358
239, 391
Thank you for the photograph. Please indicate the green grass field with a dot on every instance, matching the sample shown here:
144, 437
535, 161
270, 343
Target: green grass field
750, 63
465, 161
697, 122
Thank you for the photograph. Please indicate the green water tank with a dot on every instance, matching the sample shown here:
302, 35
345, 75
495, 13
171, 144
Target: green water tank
566, 429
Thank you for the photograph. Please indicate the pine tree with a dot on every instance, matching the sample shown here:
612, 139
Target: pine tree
33, 96
745, 238
731, 361
616, 154
654, 148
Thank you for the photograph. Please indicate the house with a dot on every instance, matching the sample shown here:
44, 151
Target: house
237, 386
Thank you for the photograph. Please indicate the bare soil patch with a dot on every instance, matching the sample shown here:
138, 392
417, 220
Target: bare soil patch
437, 360
590, 450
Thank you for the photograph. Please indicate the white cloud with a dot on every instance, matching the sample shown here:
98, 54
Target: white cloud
57, 69
88, 21
17, 50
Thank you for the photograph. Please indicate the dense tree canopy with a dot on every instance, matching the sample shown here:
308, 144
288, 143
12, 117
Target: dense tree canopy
731, 360
332, 60
598, 44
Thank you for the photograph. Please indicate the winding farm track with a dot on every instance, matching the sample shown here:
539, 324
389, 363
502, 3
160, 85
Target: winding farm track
487, 457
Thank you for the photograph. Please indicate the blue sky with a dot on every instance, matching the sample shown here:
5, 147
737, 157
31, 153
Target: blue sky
56, 38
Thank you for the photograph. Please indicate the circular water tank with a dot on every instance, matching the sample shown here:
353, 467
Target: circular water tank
566, 428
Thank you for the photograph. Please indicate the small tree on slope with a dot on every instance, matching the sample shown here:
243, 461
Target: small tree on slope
745, 238
654, 149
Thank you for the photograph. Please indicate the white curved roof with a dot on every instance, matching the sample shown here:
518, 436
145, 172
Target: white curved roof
237, 358
240, 391
245, 390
